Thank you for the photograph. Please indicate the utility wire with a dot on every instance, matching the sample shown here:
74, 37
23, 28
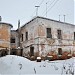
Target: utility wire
52, 6
48, 6
41, 2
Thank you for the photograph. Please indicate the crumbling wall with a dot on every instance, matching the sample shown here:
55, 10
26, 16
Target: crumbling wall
5, 38
5, 35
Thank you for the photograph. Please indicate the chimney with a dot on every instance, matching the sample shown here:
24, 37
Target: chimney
19, 32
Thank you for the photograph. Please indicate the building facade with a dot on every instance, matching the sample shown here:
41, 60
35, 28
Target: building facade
41, 36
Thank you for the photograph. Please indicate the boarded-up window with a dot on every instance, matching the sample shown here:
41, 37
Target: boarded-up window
26, 35
49, 35
74, 35
22, 37
59, 51
59, 34
12, 40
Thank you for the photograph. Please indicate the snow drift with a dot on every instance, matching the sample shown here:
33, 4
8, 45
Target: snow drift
11, 64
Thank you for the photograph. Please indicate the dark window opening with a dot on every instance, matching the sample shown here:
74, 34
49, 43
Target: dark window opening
26, 35
59, 51
31, 51
22, 37
13, 52
74, 35
12, 40
49, 35
59, 34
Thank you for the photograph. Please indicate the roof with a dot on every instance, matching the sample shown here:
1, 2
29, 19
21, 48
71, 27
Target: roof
46, 19
6, 24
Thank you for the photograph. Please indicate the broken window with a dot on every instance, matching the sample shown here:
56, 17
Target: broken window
26, 35
12, 40
49, 35
59, 51
74, 35
59, 34
22, 37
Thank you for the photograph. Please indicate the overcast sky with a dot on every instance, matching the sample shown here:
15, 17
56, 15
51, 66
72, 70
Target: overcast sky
12, 10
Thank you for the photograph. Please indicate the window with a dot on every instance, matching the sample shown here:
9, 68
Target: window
26, 35
59, 51
22, 37
74, 35
59, 34
49, 35
12, 40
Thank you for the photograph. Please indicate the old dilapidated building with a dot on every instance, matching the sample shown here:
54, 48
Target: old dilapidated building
42, 35
5, 34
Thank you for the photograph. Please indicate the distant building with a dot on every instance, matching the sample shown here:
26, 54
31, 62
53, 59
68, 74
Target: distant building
42, 35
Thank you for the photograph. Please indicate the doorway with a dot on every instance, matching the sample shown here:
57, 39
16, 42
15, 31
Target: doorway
31, 51
59, 51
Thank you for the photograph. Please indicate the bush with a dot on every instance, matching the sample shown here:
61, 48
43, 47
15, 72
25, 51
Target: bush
65, 55
53, 54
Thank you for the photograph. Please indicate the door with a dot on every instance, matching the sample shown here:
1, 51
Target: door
59, 51
31, 51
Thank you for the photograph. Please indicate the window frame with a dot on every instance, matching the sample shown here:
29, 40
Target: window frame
48, 32
26, 35
59, 34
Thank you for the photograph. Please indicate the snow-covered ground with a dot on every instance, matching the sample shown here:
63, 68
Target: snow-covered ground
17, 65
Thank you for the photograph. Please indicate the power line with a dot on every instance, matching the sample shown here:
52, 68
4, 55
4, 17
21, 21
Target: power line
52, 6
48, 6
41, 2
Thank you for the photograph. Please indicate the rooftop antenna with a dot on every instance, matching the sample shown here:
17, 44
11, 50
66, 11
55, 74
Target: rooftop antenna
59, 17
37, 10
0, 18
46, 9
64, 17
18, 24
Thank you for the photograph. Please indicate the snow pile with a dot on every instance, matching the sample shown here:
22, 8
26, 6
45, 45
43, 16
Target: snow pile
15, 65
11, 64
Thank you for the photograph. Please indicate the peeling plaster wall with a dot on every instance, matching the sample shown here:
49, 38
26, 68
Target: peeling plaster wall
53, 44
37, 36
